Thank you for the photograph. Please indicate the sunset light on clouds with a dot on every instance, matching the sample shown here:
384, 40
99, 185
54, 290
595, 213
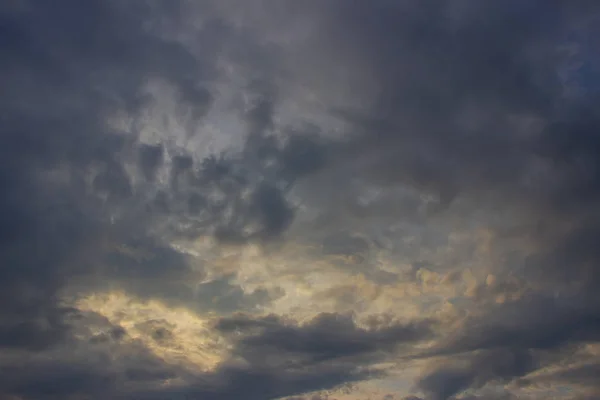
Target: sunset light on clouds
299, 200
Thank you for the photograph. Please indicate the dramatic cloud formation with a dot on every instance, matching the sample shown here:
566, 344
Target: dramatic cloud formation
302, 200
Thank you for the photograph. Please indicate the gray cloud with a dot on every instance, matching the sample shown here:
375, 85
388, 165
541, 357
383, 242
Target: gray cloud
510, 341
257, 383
442, 122
59, 89
498, 365
451, 87
582, 376
327, 337
449, 90
242, 197
284, 359
462, 101
66, 70
150, 159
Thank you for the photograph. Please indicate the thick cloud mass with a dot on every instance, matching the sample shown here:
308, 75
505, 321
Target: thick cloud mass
306, 200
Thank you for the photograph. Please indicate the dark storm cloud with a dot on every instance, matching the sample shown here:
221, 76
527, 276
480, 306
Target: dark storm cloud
499, 366
56, 379
326, 337
443, 86
150, 159
510, 341
452, 81
145, 268
450, 78
286, 359
53, 380
224, 296
60, 87
256, 383
532, 322
93, 364
64, 70
242, 197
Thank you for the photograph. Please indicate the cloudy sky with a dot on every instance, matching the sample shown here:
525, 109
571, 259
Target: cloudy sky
299, 200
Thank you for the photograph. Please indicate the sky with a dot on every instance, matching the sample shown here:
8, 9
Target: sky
299, 200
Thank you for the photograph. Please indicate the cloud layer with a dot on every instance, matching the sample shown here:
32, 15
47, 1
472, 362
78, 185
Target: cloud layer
299, 200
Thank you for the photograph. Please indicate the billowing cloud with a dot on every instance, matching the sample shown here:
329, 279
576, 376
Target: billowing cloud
299, 200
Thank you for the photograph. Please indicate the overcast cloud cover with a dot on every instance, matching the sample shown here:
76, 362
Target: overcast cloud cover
302, 200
